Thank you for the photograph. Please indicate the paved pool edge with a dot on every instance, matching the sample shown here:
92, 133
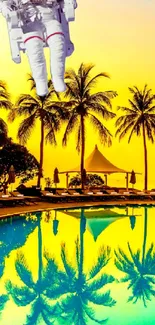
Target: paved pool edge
45, 206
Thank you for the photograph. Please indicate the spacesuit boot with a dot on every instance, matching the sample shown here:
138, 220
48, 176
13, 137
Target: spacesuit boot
57, 46
34, 49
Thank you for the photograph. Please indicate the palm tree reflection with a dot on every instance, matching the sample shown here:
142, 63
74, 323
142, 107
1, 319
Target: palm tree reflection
82, 289
12, 236
139, 268
67, 295
34, 293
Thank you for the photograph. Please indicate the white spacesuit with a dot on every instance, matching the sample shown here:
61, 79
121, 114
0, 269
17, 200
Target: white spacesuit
41, 23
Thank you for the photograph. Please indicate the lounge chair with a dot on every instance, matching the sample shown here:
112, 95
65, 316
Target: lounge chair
98, 192
46, 193
73, 192
88, 192
51, 197
2, 195
62, 192
27, 199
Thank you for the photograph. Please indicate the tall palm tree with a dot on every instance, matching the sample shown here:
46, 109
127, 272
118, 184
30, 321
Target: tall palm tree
32, 292
80, 289
5, 103
45, 109
86, 106
139, 268
139, 119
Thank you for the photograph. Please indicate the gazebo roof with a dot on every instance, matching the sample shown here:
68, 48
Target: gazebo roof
97, 163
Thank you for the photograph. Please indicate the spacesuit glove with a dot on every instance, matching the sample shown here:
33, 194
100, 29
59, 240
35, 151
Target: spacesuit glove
5, 9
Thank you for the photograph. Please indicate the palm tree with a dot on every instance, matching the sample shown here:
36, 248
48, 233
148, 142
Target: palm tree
5, 103
84, 105
34, 293
47, 111
80, 289
139, 268
139, 119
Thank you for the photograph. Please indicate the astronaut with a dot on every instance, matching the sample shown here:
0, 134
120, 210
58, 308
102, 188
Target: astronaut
41, 23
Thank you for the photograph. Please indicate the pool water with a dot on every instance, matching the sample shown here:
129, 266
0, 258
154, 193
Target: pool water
78, 266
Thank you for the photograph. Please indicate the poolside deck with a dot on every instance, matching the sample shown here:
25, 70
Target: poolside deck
42, 206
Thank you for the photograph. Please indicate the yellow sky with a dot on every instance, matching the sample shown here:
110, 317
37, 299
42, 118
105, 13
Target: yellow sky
118, 37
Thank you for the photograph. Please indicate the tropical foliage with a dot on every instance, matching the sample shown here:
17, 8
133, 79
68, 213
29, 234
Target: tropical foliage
25, 164
5, 103
45, 109
83, 290
35, 294
86, 106
12, 237
139, 269
138, 119
91, 180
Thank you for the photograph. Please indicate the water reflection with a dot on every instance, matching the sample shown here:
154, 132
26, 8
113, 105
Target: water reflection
83, 288
33, 293
12, 235
139, 268
67, 289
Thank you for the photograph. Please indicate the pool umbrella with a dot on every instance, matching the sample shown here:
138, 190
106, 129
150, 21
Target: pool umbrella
56, 177
133, 178
12, 176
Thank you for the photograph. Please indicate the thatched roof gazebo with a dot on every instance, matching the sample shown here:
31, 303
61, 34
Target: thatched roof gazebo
97, 163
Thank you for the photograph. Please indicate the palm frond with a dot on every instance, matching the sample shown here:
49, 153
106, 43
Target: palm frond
70, 271
32, 318
23, 270
6, 104
99, 283
92, 82
102, 97
73, 121
26, 127
12, 115
99, 109
104, 133
32, 82
103, 299
46, 319
3, 299
26, 105
22, 296
90, 314
102, 260
3, 127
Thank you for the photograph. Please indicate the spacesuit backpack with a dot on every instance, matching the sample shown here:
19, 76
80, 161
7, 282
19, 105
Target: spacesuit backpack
66, 12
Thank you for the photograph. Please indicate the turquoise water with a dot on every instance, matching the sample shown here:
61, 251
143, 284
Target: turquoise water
78, 266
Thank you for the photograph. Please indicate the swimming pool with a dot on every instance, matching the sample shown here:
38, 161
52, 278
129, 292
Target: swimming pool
78, 266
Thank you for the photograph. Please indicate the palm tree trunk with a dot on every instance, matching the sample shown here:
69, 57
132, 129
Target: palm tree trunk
39, 251
145, 236
81, 244
41, 153
145, 159
82, 150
